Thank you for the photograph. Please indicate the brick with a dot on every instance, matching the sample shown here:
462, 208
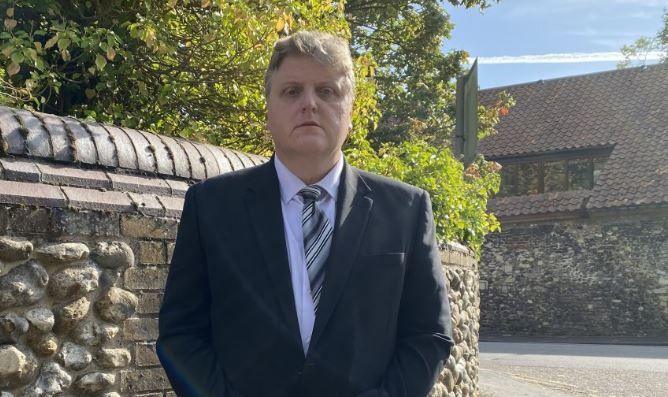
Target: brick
20, 170
74, 221
139, 184
141, 380
10, 128
104, 144
223, 163
161, 153
125, 152
149, 302
147, 227
151, 252
210, 163
145, 157
83, 145
12, 192
147, 204
233, 159
146, 277
67, 175
38, 141
247, 162
173, 206
140, 329
145, 355
98, 200
178, 188
59, 141
196, 166
178, 155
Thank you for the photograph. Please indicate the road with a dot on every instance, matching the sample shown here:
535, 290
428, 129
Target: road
566, 370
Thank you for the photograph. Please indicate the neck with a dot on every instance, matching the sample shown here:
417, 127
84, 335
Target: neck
309, 169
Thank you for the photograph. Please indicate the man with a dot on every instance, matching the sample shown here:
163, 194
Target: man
305, 276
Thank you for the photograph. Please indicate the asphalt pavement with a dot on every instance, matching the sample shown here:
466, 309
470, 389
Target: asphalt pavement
526, 369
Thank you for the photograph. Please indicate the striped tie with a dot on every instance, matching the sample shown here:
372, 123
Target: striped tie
317, 239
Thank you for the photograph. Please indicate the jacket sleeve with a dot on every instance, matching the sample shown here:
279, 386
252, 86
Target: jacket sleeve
424, 335
184, 343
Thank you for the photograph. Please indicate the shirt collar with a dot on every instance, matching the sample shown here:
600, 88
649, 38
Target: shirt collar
290, 184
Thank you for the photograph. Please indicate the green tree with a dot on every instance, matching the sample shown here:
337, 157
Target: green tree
413, 75
644, 46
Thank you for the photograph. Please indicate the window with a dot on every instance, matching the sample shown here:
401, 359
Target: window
550, 173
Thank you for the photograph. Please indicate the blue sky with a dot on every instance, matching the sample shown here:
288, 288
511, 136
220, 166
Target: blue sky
513, 37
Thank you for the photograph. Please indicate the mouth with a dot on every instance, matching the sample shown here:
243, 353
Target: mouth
309, 124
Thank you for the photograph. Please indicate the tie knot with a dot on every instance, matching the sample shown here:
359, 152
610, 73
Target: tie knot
311, 193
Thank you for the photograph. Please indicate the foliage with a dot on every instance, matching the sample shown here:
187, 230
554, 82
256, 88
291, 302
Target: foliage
182, 67
459, 197
194, 68
644, 46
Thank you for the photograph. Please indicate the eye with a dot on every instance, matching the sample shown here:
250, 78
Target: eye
327, 91
291, 92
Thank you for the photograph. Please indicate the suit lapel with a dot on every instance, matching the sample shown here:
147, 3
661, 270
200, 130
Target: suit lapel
264, 207
352, 212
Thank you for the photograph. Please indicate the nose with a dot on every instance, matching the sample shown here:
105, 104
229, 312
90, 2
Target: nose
309, 101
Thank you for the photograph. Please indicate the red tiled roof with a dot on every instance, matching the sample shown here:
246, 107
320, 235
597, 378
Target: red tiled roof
626, 109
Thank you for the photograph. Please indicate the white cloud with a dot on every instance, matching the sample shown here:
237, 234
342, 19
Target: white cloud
576, 57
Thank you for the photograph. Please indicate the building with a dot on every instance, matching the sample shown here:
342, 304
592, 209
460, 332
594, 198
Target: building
583, 249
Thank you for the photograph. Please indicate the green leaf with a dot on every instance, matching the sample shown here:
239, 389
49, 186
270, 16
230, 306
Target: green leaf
100, 62
7, 51
51, 42
17, 57
13, 68
63, 43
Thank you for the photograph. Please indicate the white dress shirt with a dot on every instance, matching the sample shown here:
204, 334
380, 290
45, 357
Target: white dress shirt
292, 205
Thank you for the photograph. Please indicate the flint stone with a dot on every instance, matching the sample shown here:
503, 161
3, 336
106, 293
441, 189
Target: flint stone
437, 391
40, 318
93, 333
73, 282
113, 358
94, 382
113, 254
69, 315
12, 326
51, 381
116, 305
23, 285
110, 394
74, 356
55, 254
44, 344
16, 367
12, 250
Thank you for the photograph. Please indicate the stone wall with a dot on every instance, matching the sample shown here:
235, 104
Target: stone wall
606, 275
80, 291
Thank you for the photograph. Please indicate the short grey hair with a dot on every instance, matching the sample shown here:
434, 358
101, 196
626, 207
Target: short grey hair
329, 50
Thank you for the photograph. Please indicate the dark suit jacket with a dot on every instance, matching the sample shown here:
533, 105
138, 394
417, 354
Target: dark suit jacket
228, 325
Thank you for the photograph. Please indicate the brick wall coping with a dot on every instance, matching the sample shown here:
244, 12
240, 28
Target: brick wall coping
68, 140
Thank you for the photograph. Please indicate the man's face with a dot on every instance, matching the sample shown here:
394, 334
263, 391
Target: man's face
308, 109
